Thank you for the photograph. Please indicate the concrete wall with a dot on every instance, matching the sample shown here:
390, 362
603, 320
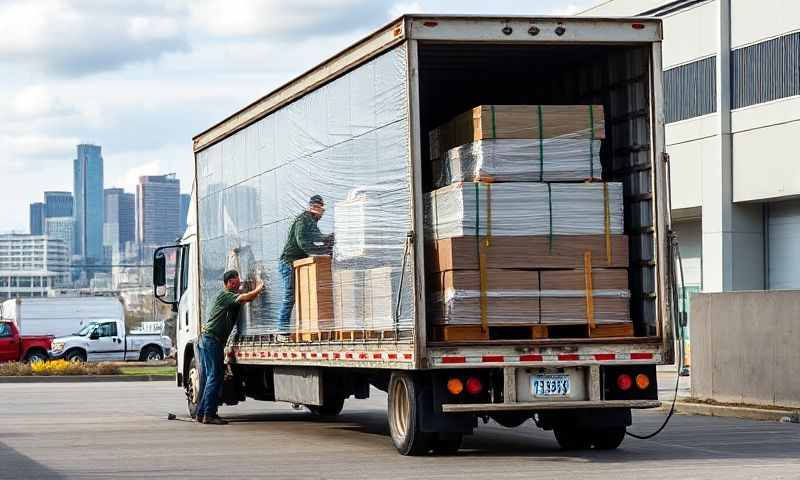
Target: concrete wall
746, 347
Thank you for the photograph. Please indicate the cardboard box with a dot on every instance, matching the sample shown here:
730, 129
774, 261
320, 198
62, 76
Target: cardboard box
563, 300
364, 299
528, 252
500, 311
519, 122
313, 294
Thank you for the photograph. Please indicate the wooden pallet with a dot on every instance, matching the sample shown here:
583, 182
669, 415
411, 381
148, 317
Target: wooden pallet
455, 333
363, 334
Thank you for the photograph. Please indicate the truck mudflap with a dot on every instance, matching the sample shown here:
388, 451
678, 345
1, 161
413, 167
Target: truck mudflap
547, 405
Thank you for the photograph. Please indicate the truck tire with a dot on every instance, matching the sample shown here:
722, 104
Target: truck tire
570, 438
151, 354
36, 355
447, 443
608, 439
330, 408
75, 355
193, 387
404, 416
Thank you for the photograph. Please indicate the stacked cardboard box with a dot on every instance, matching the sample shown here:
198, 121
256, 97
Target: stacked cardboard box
524, 208
518, 122
313, 294
363, 299
507, 243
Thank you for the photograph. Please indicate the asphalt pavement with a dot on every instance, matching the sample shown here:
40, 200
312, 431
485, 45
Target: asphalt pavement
120, 430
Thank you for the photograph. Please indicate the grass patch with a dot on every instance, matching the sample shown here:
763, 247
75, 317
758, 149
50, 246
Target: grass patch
56, 367
166, 371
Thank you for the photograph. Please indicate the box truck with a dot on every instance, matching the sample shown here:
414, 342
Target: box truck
364, 131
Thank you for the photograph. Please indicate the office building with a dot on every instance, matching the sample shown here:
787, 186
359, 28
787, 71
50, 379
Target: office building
184, 213
120, 216
89, 203
157, 210
36, 222
61, 228
58, 204
30, 265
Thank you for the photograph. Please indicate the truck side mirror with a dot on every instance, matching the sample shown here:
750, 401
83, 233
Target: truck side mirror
159, 269
165, 273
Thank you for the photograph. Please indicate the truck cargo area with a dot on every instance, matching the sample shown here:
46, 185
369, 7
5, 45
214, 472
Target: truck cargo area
455, 77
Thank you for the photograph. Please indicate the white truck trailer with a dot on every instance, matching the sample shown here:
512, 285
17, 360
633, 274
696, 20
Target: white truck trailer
60, 316
355, 129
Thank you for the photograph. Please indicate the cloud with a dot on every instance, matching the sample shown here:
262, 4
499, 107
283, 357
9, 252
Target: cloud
21, 153
77, 37
402, 8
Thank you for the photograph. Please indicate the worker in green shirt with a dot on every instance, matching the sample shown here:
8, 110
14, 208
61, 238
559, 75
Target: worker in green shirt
304, 240
220, 322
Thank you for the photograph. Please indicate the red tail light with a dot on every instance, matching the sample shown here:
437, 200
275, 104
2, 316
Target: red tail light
474, 386
624, 382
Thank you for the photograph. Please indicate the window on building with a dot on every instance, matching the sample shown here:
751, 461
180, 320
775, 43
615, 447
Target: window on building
690, 90
765, 71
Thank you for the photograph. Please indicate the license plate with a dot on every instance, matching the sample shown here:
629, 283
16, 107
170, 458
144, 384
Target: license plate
550, 385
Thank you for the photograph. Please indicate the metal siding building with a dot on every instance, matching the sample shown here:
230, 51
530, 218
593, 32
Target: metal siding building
732, 107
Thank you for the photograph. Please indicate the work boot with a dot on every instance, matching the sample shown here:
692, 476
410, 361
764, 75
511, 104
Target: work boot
214, 420
199, 419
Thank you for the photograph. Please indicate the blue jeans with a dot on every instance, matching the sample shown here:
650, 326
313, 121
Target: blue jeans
287, 281
211, 364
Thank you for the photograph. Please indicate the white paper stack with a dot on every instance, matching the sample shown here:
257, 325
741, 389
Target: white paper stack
520, 160
524, 208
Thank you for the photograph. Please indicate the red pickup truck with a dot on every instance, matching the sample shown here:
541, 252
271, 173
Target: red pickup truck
15, 347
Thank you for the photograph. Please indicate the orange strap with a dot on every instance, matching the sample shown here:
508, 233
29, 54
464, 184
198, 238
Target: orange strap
587, 278
484, 274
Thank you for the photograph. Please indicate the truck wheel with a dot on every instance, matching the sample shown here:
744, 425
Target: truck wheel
572, 439
35, 356
404, 416
608, 439
330, 408
75, 356
193, 388
151, 354
447, 443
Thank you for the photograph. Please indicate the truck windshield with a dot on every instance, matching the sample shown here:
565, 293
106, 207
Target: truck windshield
86, 329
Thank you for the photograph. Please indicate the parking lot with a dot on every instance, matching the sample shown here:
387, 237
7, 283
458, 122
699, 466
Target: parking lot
120, 430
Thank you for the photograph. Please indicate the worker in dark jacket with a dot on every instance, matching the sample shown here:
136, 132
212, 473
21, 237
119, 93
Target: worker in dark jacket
221, 320
304, 240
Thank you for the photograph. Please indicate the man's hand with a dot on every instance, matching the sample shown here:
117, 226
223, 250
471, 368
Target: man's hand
259, 286
251, 295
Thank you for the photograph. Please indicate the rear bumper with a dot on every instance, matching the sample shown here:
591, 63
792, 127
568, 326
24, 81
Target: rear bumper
536, 406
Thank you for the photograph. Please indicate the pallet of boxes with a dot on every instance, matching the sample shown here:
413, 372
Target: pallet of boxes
524, 238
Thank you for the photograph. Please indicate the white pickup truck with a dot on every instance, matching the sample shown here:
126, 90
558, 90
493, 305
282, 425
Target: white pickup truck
106, 340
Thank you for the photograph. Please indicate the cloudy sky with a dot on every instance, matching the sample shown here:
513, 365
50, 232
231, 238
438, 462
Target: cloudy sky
141, 77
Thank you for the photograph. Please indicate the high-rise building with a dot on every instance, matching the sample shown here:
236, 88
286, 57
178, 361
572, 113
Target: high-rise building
62, 228
58, 204
89, 203
31, 264
37, 218
185, 200
157, 210
120, 210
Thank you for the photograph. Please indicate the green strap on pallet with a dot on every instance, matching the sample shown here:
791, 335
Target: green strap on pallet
591, 142
541, 145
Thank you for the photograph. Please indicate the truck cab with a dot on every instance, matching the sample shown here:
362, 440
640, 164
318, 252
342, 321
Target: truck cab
16, 348
106, 340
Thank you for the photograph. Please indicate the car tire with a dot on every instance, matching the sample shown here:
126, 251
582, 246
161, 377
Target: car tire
151, 354
75, 355
36, 356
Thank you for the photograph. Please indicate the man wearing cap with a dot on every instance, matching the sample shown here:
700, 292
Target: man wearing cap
223, 316
304, 240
